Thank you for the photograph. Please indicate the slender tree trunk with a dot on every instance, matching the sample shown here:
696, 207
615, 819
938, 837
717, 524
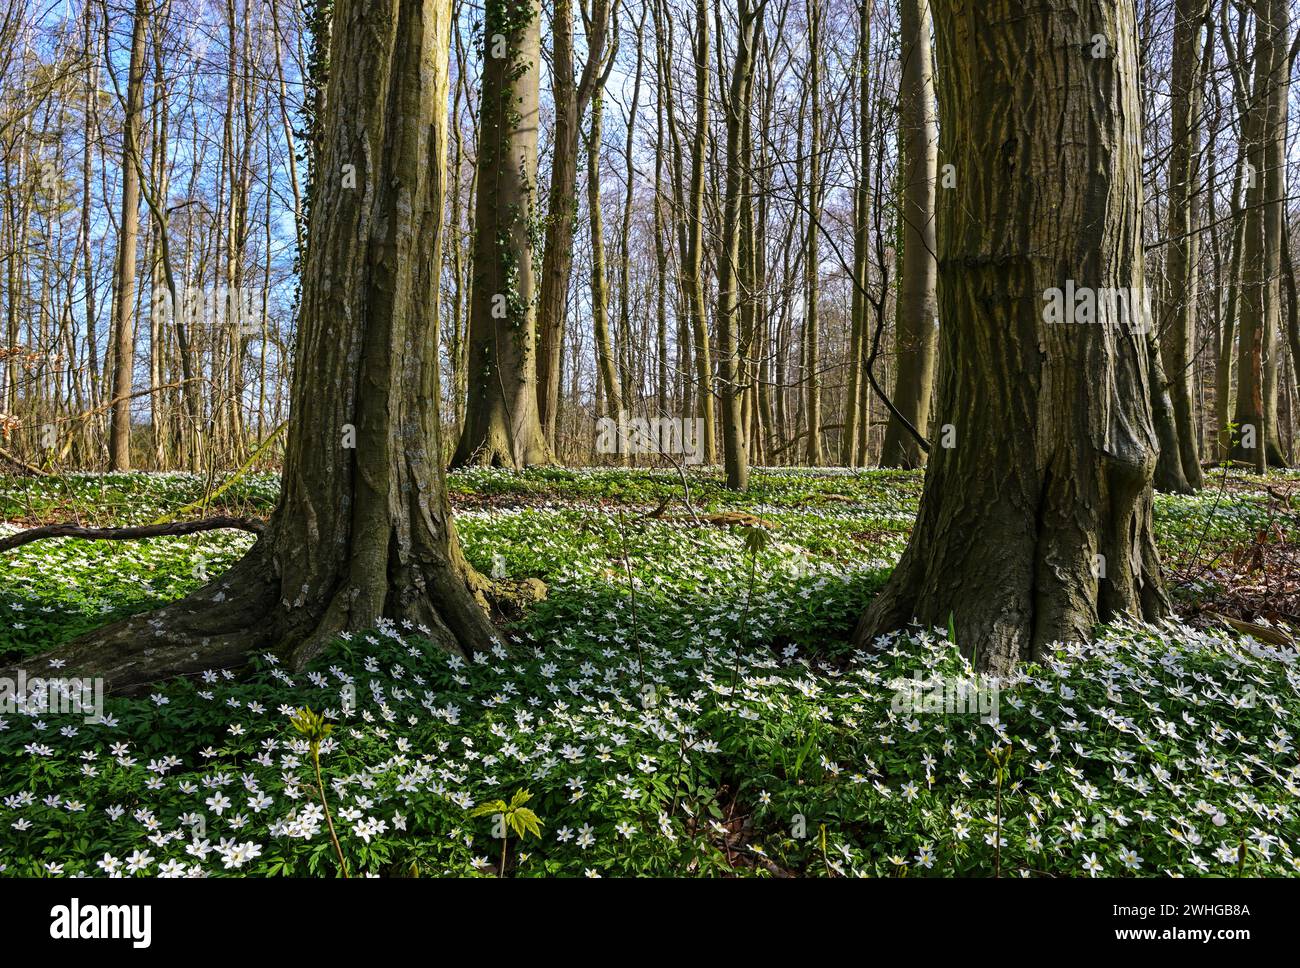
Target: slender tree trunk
570, 100
1275, 191
1228, 337
630, 382
609, 380
91, 54
861, 240
1178, 328
119, 441
558, 247
917, 300
662, 239
760, 353
692, 268
734, 444
814, 452
158, 176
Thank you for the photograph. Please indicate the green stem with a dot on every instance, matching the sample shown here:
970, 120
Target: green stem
320, 787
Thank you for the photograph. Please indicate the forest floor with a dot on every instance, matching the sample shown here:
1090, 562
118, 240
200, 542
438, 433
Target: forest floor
683, 702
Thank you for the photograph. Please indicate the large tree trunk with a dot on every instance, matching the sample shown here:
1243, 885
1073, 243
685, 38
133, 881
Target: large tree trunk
917, 301
363, 527
119, 438
1035, 520
502, 426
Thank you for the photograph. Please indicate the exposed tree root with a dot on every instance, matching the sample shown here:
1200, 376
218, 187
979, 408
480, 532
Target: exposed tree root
244, 612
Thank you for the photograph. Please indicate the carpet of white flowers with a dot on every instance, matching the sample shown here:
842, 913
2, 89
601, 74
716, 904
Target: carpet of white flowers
683, 703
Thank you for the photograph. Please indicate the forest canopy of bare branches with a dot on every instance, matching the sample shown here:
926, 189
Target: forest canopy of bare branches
185, 360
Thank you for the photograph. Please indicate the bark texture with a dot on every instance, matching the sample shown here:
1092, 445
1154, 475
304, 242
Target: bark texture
363, 527
1035, 520
735, 448
119, 434
1178, 327
502, 424
1255, 440
918, 277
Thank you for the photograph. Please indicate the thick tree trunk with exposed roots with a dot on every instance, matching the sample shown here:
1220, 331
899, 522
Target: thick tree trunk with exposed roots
1036, 520
363, 528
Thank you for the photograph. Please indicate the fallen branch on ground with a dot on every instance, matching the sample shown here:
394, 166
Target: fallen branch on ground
1264, 633
724, 519
22, 465
122, 534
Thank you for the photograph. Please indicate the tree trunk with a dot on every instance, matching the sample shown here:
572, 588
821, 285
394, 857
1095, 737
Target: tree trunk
557, 252
1275, 191
853, 413
363, 529
1253, 439
91, 54
917, 300
1169, 476
1228, 338
661, 222
1035, 520
814, 452
119, 439
502, 426
735, 449
1178, 328
608, 371
692, 268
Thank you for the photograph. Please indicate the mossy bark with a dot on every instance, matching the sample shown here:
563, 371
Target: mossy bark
502, 422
